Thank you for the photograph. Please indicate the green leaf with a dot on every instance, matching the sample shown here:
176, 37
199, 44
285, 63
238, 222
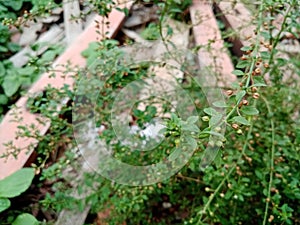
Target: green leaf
259, 85
265, 55
241, 120
213, 133
13, 47
91, 50
3, 99
175, 154
137, 113
151, 110
4, 204
266, 35
15, 4
241, 198
25, 80
48, 56
192, 119
240, 95
2, 8
249, 110
2, 69
174, 118
259, 82
285, 208
246, 48
11, 85
124, 10
192, 142
210, 111
175, 10
242, 64
169, 31
3, 49
16, 183
281, 61
26, 71
25, 219
220, 104
218, 159
215, 119
228, 194
238, 72
190, 127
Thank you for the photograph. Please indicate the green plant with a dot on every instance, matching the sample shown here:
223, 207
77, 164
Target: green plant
254, 177
8, 8
151, 32
6, 46
14, 80
13, 186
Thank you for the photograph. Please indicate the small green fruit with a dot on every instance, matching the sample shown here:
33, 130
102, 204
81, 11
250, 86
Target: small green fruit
205, 118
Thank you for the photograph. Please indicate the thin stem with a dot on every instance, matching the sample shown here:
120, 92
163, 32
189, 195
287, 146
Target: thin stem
271, 162
189, 178
282, 28
212, 196
257, 44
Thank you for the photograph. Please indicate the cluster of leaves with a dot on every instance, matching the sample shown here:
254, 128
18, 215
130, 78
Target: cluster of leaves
13, 186
13, 79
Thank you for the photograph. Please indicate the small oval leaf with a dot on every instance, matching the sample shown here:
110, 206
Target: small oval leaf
249, 110
220, 104
25, 219
192, 119
241, 120
240, 95
210, 111
16, 183
10, 85
4, 204
238, 72
215, 119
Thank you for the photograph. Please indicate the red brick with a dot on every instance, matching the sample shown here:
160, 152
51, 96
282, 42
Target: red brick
214, 58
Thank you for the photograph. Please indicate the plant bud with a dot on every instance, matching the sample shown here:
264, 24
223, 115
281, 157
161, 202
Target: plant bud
229, 92
254, 89
271, 218
255, 95
211, 143
219, 143
205, 118
244, 57
245, 102
235, 126
218, 129
257, 71
270, 47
